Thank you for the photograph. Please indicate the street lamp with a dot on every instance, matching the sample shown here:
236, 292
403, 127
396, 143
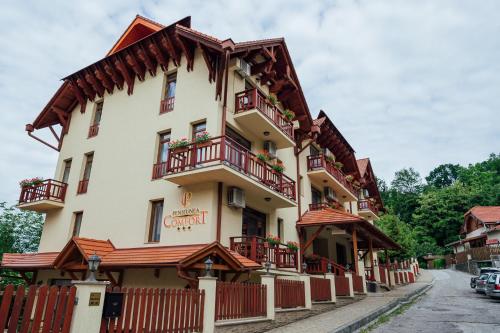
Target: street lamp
304, 267
208, 267
329, 267
94, 262
268, 266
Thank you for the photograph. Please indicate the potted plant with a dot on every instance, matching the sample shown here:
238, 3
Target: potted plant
330, 158
292, 246
338, 165
273, 240
31, 182
349, 178
180, 145
203, 139
263, 156
272, 99
288, 114
278, 167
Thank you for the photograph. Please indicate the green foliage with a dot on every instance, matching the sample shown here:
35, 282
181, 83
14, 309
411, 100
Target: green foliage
432, 214
439, 263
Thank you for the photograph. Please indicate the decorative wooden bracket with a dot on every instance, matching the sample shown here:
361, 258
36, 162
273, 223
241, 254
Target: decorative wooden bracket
313, 237
169, 46
160, 58
138, 69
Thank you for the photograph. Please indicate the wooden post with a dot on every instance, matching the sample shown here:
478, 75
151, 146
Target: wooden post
370, 249
355, 250
387, 263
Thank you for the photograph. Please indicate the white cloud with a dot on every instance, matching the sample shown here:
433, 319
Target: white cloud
409, 83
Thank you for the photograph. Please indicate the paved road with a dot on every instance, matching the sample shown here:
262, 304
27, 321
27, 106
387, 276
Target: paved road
451, 306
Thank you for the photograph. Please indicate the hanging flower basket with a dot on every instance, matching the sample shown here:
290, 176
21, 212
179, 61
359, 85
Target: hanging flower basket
203, 139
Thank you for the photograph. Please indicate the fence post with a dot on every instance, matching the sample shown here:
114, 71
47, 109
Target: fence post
87, 317
307, 289
331, 277
351, 287
392, 278
361, 272
405, 276
268, 281
209, 284
376, 272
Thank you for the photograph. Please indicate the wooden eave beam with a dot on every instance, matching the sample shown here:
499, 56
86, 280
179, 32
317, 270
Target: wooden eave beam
87, 89
146, 60
209, 61
110, 276
138, 68
129, 77
166, 42
80, 96
188, 52
159, 56
106, 81
95, 83
114, 74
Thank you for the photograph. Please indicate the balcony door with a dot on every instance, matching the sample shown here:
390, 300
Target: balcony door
235, 145
254, 223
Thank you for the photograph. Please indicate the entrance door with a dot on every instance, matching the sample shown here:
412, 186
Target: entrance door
341, 254
254, 223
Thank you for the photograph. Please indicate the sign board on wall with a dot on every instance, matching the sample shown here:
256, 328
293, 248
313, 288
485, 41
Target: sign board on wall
185, 218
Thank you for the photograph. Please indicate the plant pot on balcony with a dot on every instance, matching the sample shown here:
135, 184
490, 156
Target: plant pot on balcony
179, 150
204, 144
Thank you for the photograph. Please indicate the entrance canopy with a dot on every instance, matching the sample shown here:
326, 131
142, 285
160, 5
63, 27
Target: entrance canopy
323, 218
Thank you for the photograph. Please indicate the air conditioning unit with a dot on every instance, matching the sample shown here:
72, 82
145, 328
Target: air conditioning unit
330, 193
236, 197
243, 67
270, 147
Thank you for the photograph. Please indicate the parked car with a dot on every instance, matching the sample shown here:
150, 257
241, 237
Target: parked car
493, 285
483, 270
481, 283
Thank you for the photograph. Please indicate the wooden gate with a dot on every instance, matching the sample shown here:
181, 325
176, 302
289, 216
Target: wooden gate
38, 309
158, 310
320, 290
289, 294
235, 300
341, 285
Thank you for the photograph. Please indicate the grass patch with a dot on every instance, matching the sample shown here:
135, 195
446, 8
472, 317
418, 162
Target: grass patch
386, 317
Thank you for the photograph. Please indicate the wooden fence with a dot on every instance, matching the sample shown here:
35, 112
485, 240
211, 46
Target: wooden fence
411, 277
341, 286
158, 310
357, 283
235, 300
476, 253
289, 294
37, 309
320, 290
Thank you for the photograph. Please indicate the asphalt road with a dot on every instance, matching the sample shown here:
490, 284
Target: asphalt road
451, 306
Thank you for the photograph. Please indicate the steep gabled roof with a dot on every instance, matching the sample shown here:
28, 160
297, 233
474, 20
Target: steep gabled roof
485, 214
368, 179
362, 165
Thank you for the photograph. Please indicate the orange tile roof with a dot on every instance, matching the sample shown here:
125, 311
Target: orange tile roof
362, 165
327, 216
486, 214
90, 246
29, 260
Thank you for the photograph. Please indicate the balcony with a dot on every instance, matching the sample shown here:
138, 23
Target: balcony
224, 160
167, 105
367, 208
257, 249
254, 112
43, 197
323, 173
324, 205
93, 130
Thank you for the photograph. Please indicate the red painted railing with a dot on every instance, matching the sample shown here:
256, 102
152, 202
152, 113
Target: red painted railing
29, 310
49, 189
236, 300
357, 283
93, 130
167, 105
82, 186
159, 170
341, 286
158, 310
315, 162
227, 151
367, 205
320, 290
289, 294
324, 205
254, 99
257, 249
411, 277
321, 267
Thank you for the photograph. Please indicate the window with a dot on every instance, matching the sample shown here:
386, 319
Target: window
280, 228
313, 151
155, 221
163, 147
316, 196
94, 128
83, 184
67, 168
77, 224
199, 128
168, 100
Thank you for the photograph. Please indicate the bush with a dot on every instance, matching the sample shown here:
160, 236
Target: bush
439, 263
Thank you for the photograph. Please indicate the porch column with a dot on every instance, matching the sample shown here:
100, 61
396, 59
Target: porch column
361, 268
388, 269
209, 284
355, 250
87, 315
268, 281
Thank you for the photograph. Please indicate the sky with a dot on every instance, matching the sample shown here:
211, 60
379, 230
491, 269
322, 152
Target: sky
408, 83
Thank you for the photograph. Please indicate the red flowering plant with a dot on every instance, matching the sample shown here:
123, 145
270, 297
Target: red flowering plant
202, 137
273, 240
31, 182
294, 246
181, 143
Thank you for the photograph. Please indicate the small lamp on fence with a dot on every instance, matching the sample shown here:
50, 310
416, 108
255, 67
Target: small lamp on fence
208, 267
304, 267
94, 262
268, 266
329, 267
374, 262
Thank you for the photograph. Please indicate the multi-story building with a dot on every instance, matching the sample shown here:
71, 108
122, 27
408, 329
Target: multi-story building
177, 147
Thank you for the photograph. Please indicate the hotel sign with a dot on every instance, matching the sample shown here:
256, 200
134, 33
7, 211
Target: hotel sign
183, 219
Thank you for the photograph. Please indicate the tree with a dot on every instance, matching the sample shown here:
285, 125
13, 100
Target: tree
401, 233
444, 175
402, 197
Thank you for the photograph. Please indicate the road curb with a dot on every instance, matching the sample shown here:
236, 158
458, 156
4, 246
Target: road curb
388, 308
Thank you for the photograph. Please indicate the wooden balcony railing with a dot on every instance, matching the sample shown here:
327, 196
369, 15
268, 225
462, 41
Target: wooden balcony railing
315, 162
254, 99
257, 249
82, 186
49, 189
229, 152
167, 105
367, 204
93, 130
320, 266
